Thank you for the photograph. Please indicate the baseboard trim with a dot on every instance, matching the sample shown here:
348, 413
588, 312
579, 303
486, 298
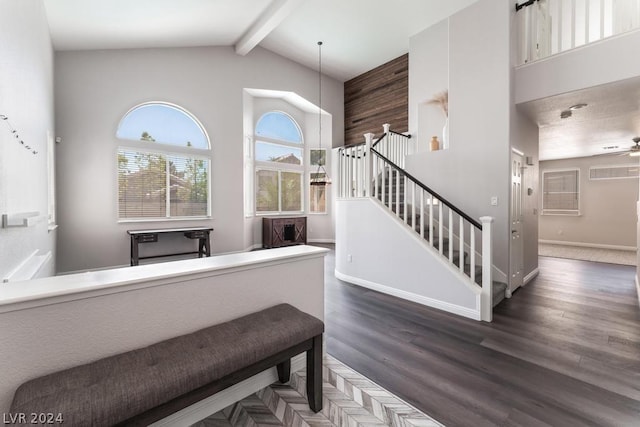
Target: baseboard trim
529, 277
589, 245
410, 296
321, 240
212, 404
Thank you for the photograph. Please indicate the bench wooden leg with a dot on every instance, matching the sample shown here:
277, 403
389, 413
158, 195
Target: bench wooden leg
284, 371
314, 374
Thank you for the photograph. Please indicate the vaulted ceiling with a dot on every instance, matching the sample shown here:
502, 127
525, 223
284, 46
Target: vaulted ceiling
358, 35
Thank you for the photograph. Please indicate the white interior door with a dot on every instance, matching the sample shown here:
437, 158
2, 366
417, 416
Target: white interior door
516, 248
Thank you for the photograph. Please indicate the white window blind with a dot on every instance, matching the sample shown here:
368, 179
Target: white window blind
156, 185
561, 192
613, 172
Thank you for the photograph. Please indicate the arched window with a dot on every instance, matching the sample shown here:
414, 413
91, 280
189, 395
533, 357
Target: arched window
279, 165
163, 170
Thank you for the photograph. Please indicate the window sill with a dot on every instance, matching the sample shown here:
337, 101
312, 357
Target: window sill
193, 218
280, 213
560, 214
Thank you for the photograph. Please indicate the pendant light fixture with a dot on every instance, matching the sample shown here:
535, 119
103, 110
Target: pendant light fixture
321, 177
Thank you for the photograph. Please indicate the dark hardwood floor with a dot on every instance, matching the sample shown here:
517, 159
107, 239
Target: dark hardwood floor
563, 351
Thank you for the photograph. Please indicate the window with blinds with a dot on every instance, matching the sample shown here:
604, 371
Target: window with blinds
154, 183
613, 172
561, 192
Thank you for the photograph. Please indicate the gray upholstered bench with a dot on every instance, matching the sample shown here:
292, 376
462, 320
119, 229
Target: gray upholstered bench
144, 385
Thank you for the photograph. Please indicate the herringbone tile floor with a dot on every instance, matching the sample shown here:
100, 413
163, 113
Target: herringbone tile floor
349, 399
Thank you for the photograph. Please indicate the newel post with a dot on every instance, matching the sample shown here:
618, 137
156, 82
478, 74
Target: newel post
340, 168
486, 297
368, 163
385, 147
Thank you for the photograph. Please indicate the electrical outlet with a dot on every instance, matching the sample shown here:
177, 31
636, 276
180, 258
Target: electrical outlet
349, 258
494, 200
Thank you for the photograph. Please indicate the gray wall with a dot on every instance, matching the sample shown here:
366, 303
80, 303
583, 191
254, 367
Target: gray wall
607, 207
26, 97
476, 166
94, 89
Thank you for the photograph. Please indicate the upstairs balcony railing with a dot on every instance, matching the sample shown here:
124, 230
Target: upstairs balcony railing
548, 27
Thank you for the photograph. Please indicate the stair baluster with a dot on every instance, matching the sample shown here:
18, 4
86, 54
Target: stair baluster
376, 169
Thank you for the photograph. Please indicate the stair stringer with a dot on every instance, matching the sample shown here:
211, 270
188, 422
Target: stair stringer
387, 256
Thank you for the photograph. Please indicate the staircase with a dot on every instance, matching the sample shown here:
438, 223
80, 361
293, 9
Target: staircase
375, 170
393, 184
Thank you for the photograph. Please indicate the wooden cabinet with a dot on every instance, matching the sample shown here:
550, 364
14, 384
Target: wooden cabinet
277, 232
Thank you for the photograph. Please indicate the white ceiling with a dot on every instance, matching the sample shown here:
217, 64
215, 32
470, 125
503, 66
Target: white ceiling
358, 35
611, 119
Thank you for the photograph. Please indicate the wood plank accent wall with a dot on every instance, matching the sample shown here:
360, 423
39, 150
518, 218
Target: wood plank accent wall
377, 97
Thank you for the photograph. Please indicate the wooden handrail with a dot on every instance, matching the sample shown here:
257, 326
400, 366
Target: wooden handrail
401, 134
450, 205
523, 5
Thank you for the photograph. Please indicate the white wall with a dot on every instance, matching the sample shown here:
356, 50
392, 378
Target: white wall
390, 257
598, 63
61, 334
95, 89
428, 78
476, 166
26, 88
607, 207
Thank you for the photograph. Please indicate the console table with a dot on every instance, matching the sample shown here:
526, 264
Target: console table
151, 236
277, 232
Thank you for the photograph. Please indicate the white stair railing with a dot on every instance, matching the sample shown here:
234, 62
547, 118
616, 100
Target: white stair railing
547, 27
394, 146
365, 171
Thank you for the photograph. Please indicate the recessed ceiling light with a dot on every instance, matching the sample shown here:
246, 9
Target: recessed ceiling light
577, 106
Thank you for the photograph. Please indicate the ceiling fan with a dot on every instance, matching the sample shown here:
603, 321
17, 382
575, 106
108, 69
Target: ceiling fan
633, 151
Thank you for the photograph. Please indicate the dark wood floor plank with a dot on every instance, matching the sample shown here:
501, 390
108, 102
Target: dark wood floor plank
563, 351
571, 339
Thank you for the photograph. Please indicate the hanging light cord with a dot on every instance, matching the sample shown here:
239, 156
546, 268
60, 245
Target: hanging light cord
15, 133
322, 177
320, 95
